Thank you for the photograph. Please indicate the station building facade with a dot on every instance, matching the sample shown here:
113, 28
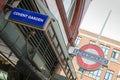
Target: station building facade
111, 50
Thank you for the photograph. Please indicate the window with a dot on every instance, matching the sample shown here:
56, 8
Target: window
69, 6
115, 54
81, 70
92, 42
96, 74
77, 41
105, 50
118, 76
108, 75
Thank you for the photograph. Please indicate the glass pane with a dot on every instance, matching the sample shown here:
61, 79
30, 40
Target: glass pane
98, 78
105, 49
115, 54
96, 74
77, 41
110, 77
55, 42
91, 42
99, 73
69, 6
106, 76
90, 75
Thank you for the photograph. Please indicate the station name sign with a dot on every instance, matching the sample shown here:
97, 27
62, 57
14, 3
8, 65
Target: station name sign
28, 17
91, 57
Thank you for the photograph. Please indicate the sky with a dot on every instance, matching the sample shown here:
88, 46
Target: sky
96, 15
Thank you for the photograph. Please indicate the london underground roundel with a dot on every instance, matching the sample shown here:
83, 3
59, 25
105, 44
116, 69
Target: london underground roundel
86, 63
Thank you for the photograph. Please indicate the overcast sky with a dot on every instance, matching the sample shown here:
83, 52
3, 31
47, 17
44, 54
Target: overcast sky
96, 16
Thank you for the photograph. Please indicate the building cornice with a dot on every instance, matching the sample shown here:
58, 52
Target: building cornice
102, 38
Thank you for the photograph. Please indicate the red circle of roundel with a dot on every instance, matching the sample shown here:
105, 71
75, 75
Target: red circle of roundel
90, 66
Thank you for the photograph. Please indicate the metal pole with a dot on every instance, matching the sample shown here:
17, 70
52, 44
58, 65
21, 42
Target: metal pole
103, 27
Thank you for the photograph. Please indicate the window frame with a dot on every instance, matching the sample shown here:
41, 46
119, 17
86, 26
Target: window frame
94, 74
113, 56
77, 41
108, 74
105, 49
